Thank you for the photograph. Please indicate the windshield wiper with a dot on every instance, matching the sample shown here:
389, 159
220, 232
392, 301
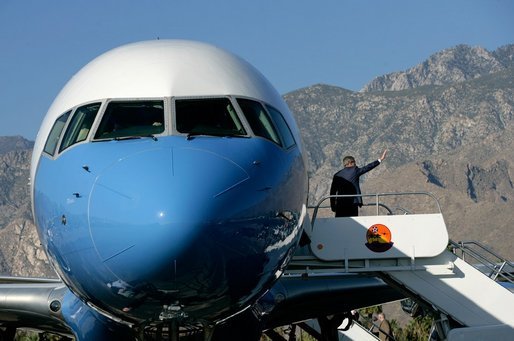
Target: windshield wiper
153, 137
133, 137
195, 133
220, 134
121, 138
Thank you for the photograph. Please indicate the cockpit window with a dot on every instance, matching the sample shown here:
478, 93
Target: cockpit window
259, 120
283, 128
131, 119
207, 116
80, 125
55, 134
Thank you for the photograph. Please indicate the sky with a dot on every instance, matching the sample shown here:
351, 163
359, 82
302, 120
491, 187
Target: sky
294, 43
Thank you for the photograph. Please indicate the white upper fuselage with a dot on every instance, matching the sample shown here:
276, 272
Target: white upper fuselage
160, 68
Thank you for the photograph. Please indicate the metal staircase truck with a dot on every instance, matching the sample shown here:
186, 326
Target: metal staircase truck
413, 253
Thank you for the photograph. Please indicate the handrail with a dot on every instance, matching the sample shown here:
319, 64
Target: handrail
390, 211
376, 203
496, 267
481, 246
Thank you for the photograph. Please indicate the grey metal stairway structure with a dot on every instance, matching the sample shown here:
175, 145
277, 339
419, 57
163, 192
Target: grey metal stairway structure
413, 253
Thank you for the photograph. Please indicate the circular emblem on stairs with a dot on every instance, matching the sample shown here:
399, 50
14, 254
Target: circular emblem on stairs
379, 238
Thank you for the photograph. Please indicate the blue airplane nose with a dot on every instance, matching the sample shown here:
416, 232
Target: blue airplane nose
147, 208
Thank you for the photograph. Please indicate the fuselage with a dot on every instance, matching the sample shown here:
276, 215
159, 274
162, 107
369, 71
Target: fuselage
169, 174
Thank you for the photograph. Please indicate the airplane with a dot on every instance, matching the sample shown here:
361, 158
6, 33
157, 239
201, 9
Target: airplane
169, 190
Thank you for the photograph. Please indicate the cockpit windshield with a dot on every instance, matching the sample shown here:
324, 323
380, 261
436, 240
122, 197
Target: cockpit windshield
131, 119
207, 116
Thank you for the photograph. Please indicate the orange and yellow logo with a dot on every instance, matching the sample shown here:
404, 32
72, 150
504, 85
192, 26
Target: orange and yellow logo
379, 238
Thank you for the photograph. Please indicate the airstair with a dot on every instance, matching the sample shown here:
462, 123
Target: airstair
465, 283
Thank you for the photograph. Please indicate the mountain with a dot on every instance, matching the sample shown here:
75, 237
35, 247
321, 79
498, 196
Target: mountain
449, 66
417, 122
20, 251
10, 143
450, 133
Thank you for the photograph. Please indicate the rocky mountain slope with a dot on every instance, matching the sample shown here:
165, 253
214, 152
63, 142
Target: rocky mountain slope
20, 251
448, 132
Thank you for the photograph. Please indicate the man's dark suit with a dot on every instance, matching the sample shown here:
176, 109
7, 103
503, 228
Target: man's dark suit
346, 181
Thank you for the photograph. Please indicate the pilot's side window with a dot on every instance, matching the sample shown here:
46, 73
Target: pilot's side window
55, 134
259, 120
207, 116
80, 125
283, 128
131, 119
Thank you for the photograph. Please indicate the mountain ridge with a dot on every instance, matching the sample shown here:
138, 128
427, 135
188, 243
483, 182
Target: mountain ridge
449, 66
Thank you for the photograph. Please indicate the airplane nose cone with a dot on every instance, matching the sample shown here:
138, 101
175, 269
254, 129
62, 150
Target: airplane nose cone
146, 209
